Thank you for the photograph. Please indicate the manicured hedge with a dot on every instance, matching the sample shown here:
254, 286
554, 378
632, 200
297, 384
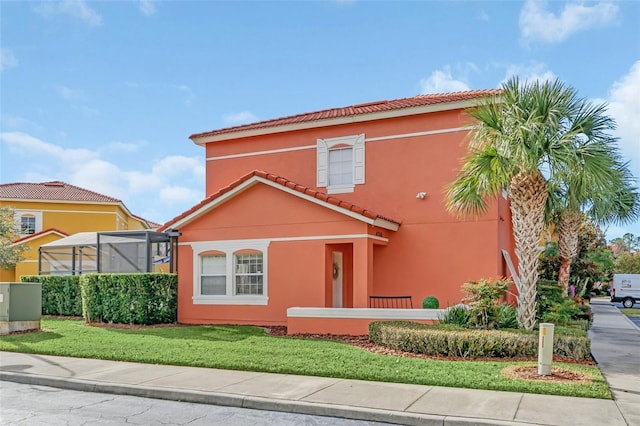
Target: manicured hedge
466, 343
60, 293
149, 298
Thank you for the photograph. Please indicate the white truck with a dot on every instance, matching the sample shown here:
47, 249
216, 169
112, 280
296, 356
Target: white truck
626, 289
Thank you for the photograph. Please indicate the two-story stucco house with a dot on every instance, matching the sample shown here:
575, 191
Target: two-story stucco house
48, 211
323, 210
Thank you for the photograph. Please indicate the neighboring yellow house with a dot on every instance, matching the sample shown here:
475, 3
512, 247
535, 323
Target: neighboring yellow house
48, 211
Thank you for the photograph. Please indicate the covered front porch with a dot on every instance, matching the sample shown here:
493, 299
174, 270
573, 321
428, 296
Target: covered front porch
349, 292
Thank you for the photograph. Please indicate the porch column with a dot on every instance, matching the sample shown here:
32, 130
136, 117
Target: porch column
362, 272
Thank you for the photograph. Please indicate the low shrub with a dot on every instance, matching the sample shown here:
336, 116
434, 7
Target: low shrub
466, 343
562, 313
548, 293
507, 317
430, 302
456, 315
149, 298
483, 297
60, 293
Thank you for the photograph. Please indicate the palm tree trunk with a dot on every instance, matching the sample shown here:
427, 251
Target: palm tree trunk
568, 229
528, 195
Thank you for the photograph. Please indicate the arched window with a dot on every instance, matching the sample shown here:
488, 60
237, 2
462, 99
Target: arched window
230, 272
340, 163
213, 273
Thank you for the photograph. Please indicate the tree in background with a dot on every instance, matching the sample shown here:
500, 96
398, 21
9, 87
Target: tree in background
627, 263
9, 254
628, 243
530, 128
601, 189
593, 262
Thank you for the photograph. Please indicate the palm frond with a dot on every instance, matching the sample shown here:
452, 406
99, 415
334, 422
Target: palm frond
484, 174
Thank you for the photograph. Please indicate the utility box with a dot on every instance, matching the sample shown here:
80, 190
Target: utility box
20, 307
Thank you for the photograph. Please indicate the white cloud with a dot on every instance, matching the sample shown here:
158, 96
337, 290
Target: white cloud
483, 16
86, 111
123, 147
7, 59
535, 71
189, 95
147, 7
241, 117
165, 186
624, 106
441, 81
537, 23
179, 195
74, 8
13, 121
69, 94
24, 143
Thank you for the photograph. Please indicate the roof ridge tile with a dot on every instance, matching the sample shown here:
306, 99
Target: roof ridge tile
357, 109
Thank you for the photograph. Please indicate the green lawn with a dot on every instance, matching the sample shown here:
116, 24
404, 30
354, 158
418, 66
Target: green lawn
634, 312
249, 348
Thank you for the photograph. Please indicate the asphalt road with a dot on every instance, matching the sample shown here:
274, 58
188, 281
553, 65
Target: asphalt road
28, 405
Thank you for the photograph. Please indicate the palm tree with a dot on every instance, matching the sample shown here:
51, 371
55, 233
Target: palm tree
528, 131
602, 190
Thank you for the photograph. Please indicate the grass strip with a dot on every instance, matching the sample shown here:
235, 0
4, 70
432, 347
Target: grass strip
251, 349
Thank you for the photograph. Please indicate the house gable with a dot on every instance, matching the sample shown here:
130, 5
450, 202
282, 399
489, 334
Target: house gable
38, 235
281, 184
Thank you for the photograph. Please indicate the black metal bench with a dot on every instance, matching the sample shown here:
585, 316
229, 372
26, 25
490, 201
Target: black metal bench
391, 302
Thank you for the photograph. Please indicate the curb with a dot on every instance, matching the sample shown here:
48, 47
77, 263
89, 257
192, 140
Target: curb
253, 402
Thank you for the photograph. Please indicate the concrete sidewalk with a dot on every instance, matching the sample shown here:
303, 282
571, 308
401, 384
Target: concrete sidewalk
372, 401
615, 345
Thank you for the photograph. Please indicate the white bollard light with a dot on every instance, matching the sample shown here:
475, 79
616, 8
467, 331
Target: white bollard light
545, 349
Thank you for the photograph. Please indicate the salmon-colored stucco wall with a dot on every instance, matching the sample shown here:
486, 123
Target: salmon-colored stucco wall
296, 269
432, 252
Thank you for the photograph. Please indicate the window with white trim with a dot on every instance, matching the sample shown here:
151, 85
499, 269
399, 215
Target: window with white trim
340, 163
248, 273
27, 224
213, 274
230, 272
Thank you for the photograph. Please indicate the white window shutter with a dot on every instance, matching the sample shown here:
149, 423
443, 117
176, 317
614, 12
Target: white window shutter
358, 160
323, 164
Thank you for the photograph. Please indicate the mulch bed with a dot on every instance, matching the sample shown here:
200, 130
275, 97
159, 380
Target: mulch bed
363, 342
558, 375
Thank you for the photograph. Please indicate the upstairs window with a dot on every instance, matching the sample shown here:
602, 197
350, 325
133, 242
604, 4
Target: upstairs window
27, 224
340, 166
340, 163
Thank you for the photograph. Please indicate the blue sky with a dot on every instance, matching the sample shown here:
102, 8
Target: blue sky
105, 94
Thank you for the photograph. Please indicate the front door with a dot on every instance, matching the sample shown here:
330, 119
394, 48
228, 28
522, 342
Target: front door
338, 270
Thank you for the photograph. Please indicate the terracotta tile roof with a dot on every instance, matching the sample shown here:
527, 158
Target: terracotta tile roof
40, 234
285, 183
360, 109
150, 223
56, 190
